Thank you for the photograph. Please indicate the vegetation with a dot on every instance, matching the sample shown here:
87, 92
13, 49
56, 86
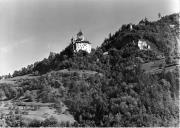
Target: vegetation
159, 33
123, 96
119, 93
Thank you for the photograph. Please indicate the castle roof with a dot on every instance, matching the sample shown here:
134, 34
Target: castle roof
79, 33
80, 38
84, 41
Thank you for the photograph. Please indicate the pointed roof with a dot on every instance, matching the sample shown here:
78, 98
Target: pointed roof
79, 33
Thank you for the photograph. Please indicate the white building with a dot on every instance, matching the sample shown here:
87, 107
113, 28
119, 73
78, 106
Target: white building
80, 43
143, 45
172, 26
130, 27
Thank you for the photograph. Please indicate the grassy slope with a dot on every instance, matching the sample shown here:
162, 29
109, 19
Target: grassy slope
39, 114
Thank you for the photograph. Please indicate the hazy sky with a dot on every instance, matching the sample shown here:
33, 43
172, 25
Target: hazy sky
30, 29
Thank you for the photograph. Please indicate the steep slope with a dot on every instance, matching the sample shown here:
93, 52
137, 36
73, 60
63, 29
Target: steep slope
161, 33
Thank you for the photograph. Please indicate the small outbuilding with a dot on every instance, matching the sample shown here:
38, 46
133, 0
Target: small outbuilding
143, 45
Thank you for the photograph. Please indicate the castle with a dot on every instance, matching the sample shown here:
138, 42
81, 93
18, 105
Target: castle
80, 43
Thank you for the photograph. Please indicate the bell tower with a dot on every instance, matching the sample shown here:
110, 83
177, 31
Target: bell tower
80, 36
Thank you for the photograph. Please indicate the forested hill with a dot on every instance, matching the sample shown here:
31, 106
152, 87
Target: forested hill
162, 34
116, 85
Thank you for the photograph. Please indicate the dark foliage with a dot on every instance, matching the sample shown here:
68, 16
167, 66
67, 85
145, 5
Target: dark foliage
119, 93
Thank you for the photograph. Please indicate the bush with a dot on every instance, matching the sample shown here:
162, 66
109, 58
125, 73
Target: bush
50, 122
35, 123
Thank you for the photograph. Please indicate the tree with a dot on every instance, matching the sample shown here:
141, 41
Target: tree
28, 95
52, 121
16, 73
35, 123
159, 15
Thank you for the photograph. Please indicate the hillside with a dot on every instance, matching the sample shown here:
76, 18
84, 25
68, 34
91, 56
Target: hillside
161, 34
116, 85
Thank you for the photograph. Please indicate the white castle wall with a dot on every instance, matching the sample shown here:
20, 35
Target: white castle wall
80, 44
143, 45
83, 46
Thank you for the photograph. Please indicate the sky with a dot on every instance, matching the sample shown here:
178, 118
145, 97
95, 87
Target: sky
30, 29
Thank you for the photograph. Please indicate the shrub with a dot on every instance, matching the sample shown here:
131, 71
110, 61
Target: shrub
49, 122
35, 123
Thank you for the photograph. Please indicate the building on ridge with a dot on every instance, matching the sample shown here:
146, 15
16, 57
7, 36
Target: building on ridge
80, 43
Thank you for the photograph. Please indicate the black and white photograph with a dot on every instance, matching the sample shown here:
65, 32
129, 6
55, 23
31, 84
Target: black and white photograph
89, 63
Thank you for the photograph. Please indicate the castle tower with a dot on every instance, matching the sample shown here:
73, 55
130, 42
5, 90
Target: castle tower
80, 36
80, 43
